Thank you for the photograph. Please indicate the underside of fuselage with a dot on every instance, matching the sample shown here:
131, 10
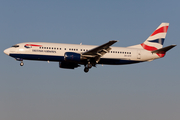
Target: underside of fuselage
106, 61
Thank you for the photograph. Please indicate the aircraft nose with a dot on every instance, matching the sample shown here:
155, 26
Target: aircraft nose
6, 51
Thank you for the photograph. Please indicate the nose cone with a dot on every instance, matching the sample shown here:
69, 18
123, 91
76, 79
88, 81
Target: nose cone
6, 51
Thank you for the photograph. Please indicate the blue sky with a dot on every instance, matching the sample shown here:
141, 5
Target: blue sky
43, 91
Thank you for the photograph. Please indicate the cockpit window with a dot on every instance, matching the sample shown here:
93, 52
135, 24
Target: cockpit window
15, 46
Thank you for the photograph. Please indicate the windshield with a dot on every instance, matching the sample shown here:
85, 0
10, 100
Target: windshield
15, 46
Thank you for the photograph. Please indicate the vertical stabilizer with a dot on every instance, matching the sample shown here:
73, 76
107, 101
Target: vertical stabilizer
156, 39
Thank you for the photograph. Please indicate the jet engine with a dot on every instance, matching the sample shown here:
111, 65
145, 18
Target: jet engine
68, 65
73, 57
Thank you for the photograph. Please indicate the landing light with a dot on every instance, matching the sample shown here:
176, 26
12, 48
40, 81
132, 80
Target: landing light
21, 49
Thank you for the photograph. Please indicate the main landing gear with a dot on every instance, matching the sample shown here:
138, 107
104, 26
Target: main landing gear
87, 67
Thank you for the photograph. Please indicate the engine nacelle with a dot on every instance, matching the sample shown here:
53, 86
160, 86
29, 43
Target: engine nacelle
68, 65
71, 56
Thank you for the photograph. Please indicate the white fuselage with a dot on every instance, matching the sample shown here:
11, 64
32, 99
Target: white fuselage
71, 56
55, 52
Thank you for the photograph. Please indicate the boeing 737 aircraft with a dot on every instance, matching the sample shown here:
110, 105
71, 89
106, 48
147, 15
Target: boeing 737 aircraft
71, 56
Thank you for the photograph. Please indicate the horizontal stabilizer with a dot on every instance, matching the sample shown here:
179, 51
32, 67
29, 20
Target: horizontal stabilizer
165, 49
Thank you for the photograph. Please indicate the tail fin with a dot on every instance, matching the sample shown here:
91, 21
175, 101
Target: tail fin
156, 39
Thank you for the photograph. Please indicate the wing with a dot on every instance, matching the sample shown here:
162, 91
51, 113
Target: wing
99, 51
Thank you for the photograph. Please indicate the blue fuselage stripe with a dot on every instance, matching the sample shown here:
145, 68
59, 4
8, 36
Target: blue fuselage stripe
61, 59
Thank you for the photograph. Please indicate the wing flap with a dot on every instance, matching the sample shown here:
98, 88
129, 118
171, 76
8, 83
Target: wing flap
99, 51
102, 49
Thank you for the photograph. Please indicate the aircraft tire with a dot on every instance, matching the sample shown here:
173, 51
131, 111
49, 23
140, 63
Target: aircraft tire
21, 64
89, 65
86, 69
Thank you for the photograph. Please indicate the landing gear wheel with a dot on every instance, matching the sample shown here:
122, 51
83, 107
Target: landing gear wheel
21, 64
86, 69
89, 65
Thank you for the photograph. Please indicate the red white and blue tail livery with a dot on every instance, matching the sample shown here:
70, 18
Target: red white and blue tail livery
71, 56
156, 39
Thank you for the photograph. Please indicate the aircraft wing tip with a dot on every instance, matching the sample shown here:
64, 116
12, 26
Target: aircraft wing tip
114, 41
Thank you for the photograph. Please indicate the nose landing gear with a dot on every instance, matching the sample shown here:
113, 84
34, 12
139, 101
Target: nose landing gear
20, 59
21, 63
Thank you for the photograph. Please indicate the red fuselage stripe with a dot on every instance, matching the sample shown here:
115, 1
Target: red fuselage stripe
150, 48
33, 45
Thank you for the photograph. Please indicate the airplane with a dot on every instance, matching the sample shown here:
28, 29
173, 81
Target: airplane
71, 56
